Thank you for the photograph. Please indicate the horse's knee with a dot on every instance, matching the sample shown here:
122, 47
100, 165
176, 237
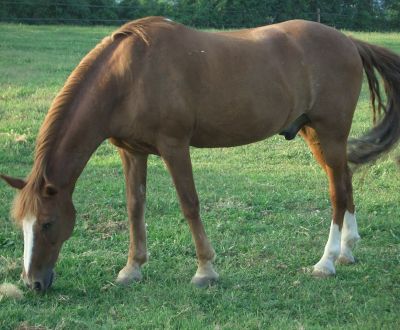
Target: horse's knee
136, 203
191, 209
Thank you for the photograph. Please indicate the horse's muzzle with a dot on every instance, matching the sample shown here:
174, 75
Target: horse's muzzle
39, 283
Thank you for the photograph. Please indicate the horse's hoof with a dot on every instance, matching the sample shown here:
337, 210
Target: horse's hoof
128, 275
345, 260
202, 282
320, 271
205, 275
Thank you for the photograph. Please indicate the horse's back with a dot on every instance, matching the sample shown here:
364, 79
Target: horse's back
237, 87
233, 88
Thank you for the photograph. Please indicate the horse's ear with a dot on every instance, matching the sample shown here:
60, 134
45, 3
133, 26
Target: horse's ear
50, 190
14, 182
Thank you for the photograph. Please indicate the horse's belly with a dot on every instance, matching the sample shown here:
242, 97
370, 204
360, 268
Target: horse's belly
230, 129
219, 140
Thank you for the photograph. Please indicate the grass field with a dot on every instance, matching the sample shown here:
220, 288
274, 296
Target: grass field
265, 207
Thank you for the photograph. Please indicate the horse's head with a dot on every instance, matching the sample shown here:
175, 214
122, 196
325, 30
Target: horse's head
47, 217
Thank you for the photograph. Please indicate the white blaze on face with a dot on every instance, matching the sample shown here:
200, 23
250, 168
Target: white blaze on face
27, 225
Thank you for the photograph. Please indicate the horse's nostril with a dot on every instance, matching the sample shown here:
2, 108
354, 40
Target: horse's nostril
37, 286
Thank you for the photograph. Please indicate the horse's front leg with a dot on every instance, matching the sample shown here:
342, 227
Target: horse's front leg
179, 165
135, 169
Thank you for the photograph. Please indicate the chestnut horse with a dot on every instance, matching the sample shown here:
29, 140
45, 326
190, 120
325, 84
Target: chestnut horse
157, 87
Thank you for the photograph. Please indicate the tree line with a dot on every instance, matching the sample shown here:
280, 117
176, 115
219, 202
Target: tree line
344, 14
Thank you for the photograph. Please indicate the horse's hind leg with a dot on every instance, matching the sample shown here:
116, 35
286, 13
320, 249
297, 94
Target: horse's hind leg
350, 234
135, 169
331, 154
179, 165
349, 239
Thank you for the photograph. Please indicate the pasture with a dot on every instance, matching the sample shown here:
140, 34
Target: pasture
265, 207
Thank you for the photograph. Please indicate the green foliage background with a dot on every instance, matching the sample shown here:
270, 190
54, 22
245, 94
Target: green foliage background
347, 14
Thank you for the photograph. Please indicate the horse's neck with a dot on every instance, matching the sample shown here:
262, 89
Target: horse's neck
69, 159
87, 119
79, 136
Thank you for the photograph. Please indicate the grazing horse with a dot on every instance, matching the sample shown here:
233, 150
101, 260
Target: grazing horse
157, 87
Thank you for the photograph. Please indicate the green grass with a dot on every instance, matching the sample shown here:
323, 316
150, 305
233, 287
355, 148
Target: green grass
265, 207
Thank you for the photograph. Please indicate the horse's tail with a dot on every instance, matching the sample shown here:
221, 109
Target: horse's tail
386, 133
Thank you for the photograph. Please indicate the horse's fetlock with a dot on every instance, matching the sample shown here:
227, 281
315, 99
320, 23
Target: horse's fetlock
207, 257
141, 259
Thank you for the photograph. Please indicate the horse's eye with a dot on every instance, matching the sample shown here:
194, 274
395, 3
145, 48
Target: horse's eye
46, 226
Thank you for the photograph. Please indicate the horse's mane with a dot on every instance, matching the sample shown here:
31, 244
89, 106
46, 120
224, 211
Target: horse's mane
27, 200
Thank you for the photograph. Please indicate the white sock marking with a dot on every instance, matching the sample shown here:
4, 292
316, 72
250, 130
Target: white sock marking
27, 225
349, 235
332, 249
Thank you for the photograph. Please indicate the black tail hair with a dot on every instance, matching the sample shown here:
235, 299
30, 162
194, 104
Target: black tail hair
386, 133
